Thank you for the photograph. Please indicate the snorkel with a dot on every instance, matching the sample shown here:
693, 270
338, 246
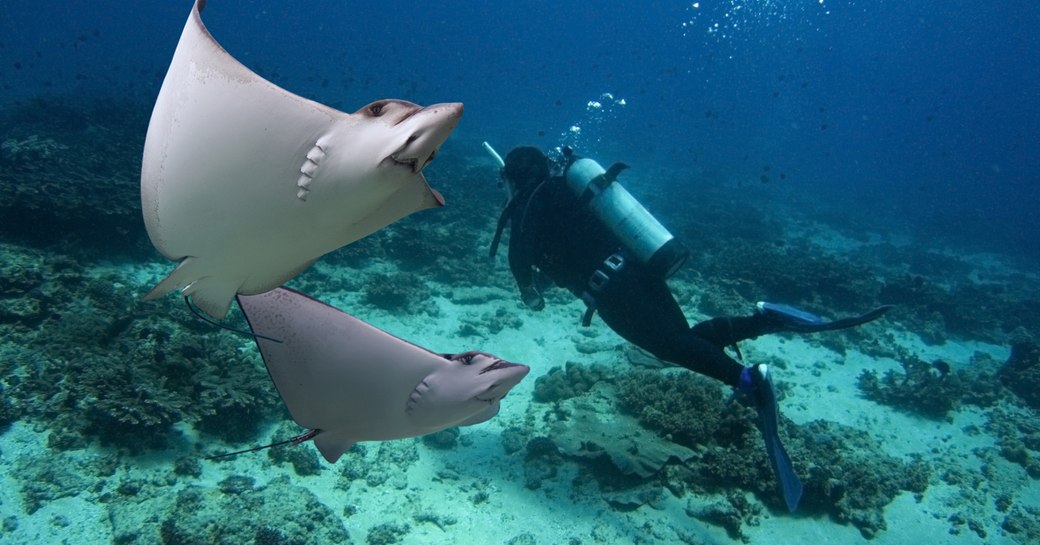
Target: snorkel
501, 165
503, 218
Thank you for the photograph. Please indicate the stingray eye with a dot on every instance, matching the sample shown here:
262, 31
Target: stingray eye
376, 109
466, 358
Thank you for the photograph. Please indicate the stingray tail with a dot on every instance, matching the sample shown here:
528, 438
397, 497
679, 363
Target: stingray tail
292, 441
210, 294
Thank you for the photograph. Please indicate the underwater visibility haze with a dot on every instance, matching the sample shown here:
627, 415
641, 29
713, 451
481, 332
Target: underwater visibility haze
831, 155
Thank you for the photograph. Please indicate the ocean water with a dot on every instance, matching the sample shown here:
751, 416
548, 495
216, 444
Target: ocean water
832, 154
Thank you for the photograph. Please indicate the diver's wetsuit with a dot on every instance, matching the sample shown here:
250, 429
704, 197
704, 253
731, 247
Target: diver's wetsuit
553, 232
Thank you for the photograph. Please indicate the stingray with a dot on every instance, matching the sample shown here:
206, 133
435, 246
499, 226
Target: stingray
247, 184
349, 381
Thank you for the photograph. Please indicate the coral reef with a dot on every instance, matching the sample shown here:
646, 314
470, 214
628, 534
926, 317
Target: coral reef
677, 404
96, 362
236, 511
414, 246
387, 533
70, 175
50, 479
849, 477
793, 274
525, 538
616, 444
431, 246
1023, 523
630, 499
981, 490
8, 413
303, 457
963, 308
514, 438
397, 292
489, 323
1021, 372
732, 514
569, 381
542, 461
436, 519
930, 389
187, 466
1018, 437
446, 439
374, 465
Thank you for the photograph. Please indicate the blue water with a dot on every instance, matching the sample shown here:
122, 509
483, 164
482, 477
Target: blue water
919, 114
916, 112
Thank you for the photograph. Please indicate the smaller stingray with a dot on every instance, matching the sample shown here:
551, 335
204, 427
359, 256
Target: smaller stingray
247, 184
350, 381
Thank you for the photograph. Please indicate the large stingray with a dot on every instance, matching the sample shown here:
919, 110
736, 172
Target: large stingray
353, 382
248, 184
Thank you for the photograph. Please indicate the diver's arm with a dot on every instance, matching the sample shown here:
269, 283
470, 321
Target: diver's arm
521, 264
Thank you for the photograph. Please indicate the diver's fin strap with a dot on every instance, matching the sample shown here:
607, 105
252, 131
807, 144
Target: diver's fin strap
598, 281
601, 182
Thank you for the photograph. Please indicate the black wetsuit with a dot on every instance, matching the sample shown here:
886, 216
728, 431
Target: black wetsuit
552, 232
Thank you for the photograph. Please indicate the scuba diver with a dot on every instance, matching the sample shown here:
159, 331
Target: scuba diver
585, 232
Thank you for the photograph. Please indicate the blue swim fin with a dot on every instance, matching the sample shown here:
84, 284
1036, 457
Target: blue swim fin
768, 420
788, 318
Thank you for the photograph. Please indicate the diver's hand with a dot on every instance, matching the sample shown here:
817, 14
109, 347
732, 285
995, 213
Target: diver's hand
532, 299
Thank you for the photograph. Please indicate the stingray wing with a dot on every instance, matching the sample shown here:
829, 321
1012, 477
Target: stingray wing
230, 164
335, 372
213, 118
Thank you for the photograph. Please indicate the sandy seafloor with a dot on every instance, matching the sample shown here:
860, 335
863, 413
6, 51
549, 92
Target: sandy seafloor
475, 493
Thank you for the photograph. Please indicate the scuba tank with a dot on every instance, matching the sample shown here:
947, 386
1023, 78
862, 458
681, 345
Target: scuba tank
639, 232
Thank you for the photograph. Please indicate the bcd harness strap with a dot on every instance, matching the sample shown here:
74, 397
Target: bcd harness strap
598, 281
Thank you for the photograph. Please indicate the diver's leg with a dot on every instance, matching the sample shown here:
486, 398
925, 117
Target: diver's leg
729, 330
775, 318
640, 308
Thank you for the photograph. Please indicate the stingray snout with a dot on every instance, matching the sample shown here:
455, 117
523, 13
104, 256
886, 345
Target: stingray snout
506, 375
450, 110
446, 110
428, 128
500, 364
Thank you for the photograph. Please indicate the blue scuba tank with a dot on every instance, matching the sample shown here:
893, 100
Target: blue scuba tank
641, 235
